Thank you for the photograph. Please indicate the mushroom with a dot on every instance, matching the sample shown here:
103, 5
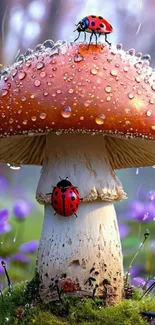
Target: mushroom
80, 114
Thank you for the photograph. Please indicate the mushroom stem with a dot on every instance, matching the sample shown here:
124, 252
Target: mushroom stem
80, 256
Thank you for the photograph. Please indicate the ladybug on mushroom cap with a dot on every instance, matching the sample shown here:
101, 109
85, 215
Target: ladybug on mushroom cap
65, 198
96, 25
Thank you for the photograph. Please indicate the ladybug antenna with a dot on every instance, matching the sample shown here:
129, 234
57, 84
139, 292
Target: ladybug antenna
67, 177
7, 276
60, 178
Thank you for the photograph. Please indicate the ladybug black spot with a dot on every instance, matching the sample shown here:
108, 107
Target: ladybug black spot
56, 193
77, 205
73, 198
55, 202
70, 192
93, 23
73, 210
71, 205
102, 25
93, 16
63, 196
100, 17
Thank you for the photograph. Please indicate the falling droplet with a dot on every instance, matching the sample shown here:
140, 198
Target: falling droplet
149, 112
37, 83
108, 89
39, 65
66, 112
78, 58
131, 96
93, 71
21, 75
100, 119
114, 73
14, 167
42, 116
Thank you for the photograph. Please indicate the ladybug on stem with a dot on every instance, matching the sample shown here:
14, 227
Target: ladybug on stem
65, 198
96, 25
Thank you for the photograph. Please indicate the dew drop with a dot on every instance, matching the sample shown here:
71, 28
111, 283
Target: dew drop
37, 83
108, 89
42, 116
4, 92
153, 127
59, 91
33, 118
14, 167
153, 87
32, 96
66, 112
70, 91
42, 74
125, 69
137, 79
78, 58
21, 75
25, 122
149, 112
11, 120
14, 72
99, 119
23, 98
131, 96
45, 93
39, 65
151, 101
93, 71
108, 99
114, 73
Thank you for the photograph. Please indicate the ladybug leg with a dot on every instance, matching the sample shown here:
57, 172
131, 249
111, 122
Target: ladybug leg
90, 39
96, 38
84, 36
75, 215
77, 37
107, 40
94, 290
48, 193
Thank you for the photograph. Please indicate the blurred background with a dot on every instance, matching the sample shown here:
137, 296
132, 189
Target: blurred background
23, 25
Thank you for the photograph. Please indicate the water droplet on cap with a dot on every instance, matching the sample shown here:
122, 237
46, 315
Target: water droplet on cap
149, 112
33, 118
42, 116
66, 112
108, 89
39, 65
23, 98
4, 92
131, 96
93, 71
37, 83
100, 119
114, 73
45, 93
21, 75
78, 58
151, 101
70, 91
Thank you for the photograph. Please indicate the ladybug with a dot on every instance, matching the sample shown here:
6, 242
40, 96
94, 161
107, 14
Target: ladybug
96, 25
65, 198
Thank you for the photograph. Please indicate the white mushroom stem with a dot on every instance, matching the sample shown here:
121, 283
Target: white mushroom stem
78, 254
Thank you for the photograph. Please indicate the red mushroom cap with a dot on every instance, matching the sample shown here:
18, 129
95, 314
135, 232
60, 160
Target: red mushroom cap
68, 88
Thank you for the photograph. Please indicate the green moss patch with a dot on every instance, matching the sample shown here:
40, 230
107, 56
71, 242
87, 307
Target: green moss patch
18, 309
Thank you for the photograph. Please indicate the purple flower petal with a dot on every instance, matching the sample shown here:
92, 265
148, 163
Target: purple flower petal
29, 247
123, 230
137, 270
22, 209
4, 215
140, 211
5, 227
138, 281
20, 257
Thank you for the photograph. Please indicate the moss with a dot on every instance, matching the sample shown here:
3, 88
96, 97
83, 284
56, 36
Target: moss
18, 309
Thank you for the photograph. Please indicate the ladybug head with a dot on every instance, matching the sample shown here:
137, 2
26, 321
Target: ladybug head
82, 25
64, 183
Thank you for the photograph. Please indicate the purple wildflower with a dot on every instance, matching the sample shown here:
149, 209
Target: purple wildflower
22, 209
138, 281
29, 247
20, 257
123, 230
4, 226
142, 212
